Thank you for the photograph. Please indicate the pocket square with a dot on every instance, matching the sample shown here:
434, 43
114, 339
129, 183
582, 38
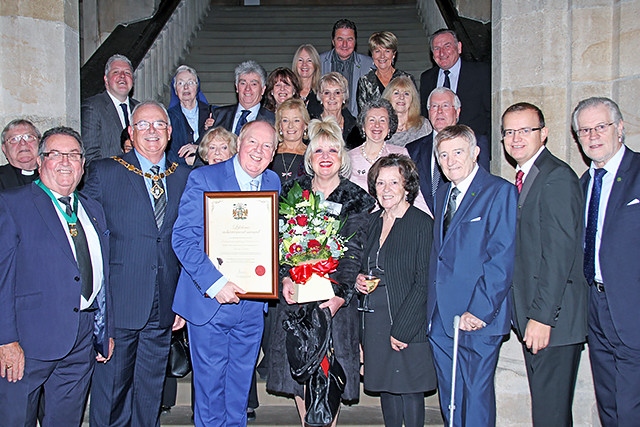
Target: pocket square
633, 202
476, 219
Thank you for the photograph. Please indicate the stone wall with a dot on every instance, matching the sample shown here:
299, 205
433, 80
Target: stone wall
40, 68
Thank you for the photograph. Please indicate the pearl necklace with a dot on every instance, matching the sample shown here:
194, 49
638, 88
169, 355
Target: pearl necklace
364, 154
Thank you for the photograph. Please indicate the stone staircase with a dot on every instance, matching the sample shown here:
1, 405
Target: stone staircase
271, 35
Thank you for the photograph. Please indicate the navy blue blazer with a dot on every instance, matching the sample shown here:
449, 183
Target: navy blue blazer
101, 126
141, 256
472, 266
619, 246
40, 283
198, 272
182, 133
223, 116
474, 91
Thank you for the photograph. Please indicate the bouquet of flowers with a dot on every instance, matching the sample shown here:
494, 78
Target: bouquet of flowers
309, 242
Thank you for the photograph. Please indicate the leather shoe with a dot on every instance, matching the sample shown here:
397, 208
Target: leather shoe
251, 415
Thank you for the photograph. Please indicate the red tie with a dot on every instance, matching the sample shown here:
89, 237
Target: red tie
519, 176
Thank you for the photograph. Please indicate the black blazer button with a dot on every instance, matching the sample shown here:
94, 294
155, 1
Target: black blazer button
77, 279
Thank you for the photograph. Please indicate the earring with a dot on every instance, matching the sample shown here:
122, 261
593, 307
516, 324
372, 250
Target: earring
280, 132
305, 134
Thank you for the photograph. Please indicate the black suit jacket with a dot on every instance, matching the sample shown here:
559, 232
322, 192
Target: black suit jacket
548, 279
474, 91
10, 178
223, 116
141, 254
421, 152
101, 126
619, 247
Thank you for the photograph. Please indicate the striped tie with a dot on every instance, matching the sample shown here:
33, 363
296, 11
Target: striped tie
160, 203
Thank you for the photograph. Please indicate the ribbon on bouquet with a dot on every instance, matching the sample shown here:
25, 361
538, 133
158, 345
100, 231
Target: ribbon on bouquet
301, 273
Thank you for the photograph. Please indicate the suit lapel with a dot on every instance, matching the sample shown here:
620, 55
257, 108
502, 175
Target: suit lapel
50, 218
110, 110
618, 191
469, 199
137, 182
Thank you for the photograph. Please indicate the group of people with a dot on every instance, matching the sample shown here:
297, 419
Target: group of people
100, 268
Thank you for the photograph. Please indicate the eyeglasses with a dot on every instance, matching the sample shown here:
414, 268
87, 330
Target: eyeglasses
57, 155
143, 125
510, 133
435, 107
181, 83
583, 132
27, 137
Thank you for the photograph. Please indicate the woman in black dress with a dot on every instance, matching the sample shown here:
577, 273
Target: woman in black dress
328, 167
397, 358
292, 120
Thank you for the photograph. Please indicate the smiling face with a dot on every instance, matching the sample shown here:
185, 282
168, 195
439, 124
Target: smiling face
325, 159
186, 88
456, 159
249, 89
376, 125
442, 112
523, 147
599, 147
390, 188
150, 143
383, 58
218, 151
119, 80
282, 90
61, 175
446, 50
292, 125
332, 98
401, 100
256, 147
21, 154
344, 42
304, 66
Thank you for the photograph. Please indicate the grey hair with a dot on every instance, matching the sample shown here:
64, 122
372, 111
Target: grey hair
251, 66
114, 58
59, 130
442, 31
456, 101
151, 102
595, 101
188, 69
334, 78
19, 122
453, 132
378, 103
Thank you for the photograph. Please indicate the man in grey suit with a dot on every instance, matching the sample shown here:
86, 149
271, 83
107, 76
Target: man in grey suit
549, 289
104, 115
344, 59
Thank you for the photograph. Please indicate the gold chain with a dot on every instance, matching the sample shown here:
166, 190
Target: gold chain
137, 171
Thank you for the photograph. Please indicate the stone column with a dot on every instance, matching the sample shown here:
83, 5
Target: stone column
40, 66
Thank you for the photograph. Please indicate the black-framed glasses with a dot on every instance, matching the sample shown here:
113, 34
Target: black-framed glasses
510, 133
143, 125
583, 132
27, 137
57, 155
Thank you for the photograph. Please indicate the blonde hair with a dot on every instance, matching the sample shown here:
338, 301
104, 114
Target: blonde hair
220, 134
315, 59
295, 104
334, 78
327, 130
405, 83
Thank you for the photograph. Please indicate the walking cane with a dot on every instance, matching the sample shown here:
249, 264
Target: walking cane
456, 332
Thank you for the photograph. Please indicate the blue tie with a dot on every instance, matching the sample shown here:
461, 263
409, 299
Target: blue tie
241, 121
447, 82
592, 226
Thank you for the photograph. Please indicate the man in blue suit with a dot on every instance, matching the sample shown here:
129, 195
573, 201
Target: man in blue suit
224, 331
139, 192
55, 305
611, 267
251, 80
470, 276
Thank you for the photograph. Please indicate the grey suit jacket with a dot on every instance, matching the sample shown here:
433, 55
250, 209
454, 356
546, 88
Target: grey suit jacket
101, 126
548, 279
361, 67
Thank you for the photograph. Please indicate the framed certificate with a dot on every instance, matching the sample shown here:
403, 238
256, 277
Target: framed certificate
241, 239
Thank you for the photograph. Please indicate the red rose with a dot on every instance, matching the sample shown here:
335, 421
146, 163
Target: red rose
305, 194
313, 243
302, 220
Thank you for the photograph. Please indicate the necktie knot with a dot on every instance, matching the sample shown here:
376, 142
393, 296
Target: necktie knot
254, 185
241, 121
155, 169
599, 173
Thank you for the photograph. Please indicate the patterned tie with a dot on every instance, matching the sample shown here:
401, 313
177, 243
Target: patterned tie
592, 226
435, 179
451, 210
160, 202
519, 176
447, 82
83, 257
254, 185
242, 121
126, 114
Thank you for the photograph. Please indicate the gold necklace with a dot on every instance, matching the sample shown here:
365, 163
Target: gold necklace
156, 191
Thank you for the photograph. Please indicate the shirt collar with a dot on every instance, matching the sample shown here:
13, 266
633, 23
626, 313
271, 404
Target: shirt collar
464, 185
117, 102
243, 178
612, 165
529, 163
145, 164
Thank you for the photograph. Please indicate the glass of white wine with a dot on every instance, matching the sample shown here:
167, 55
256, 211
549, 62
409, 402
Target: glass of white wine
372, 283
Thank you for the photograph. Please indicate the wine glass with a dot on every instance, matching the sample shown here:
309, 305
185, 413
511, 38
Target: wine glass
372, 283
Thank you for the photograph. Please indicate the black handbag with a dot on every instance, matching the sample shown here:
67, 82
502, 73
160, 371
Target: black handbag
179, 358
323, 392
